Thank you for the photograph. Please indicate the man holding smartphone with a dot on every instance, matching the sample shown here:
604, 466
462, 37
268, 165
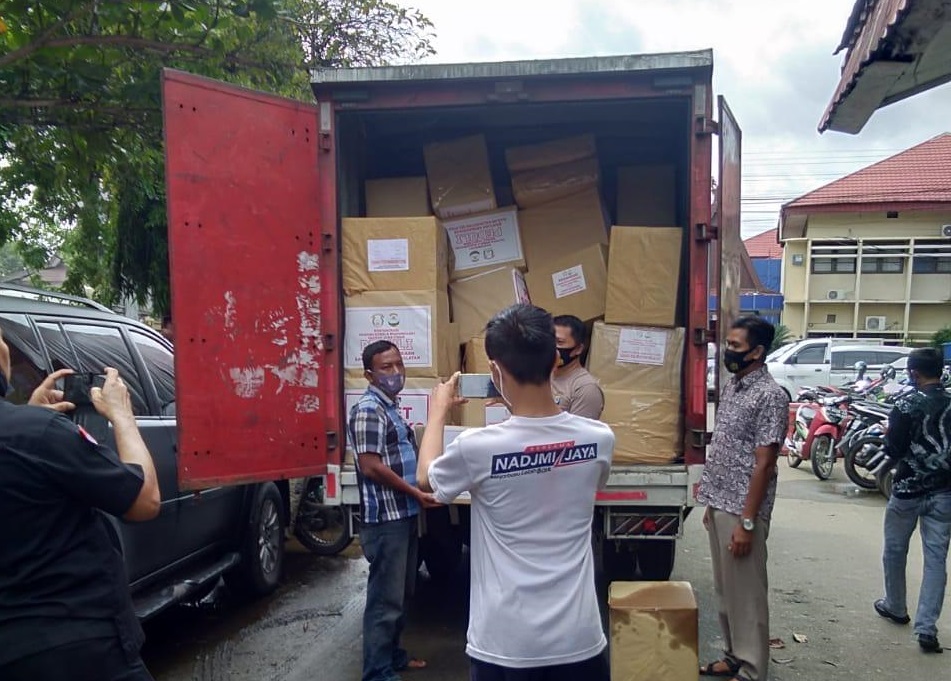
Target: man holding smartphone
65, 608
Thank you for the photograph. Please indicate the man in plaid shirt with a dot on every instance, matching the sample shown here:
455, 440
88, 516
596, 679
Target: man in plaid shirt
390, 501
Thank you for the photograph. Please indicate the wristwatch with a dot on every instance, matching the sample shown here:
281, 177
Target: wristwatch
748, 524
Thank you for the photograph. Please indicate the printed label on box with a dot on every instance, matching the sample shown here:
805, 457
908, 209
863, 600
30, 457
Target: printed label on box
642, 346
496, 414
413, 406
569, 281
409, 328
521, 288
484, 240
388, 255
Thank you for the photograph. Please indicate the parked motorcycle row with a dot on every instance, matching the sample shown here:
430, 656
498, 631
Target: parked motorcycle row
830, 423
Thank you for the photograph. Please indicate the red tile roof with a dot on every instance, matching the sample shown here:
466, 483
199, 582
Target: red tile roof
920, 175
764, 245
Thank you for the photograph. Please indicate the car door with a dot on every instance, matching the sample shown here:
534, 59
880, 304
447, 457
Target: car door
807, 366
843, 364
92, 346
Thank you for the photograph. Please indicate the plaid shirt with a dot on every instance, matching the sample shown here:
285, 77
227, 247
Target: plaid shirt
376, 427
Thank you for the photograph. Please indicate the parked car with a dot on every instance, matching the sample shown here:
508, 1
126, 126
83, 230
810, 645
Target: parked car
237, 531
824, 361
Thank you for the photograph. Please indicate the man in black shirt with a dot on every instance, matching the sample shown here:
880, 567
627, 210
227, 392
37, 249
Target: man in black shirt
65, 608
919, 439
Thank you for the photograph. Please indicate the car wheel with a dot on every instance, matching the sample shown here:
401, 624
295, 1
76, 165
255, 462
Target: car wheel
262, 548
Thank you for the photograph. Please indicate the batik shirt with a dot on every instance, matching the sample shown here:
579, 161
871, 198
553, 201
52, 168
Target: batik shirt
753, 413
919, 438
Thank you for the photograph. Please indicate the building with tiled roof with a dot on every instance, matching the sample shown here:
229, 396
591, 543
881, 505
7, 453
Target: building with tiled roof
869, 255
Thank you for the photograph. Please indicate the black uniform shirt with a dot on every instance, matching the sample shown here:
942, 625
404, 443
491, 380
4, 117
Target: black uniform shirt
62, 578
919, 439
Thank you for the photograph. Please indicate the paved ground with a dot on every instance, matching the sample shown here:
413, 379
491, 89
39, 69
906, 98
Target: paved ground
824, 568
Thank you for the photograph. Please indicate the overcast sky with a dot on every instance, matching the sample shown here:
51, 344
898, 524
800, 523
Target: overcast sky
772, 60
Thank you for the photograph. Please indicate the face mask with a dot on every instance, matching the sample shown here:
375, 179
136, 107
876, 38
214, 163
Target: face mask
564, 356
497, 381
391, 384
735, 360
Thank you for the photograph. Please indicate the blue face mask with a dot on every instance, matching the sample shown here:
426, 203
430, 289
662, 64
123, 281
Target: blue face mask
391, 384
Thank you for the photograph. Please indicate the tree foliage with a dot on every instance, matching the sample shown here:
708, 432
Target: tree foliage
81, 157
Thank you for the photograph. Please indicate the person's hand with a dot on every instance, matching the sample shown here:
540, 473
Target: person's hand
112, 399
741, 542
427, 500
445, 397
46, 394
707, 519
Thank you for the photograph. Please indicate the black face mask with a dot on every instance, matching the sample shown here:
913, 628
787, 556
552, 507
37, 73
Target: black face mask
735, 360
564, 354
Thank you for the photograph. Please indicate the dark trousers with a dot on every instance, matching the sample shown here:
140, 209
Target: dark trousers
97, 659
391, 548
592, 669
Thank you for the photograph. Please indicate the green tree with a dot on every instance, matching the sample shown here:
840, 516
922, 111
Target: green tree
941, 337
783, 337
81, 157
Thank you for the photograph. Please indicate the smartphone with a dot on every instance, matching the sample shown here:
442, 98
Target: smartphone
77, 387
477, 386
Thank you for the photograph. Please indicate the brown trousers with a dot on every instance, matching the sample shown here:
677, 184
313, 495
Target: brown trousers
742, 589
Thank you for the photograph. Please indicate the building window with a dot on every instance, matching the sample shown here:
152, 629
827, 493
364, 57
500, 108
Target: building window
833, 265
883, 265
830, 319
932, 265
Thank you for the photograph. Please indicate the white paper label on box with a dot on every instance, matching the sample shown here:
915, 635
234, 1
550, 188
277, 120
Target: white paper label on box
642, 346
413, 407
569, 281
482, 240
409, 328
521, 288
496, 414
388, 255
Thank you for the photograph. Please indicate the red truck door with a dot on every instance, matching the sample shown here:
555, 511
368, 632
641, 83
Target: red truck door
254, 290
729, 239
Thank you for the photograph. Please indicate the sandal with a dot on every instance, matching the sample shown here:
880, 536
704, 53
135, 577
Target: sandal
729, 670
414, 664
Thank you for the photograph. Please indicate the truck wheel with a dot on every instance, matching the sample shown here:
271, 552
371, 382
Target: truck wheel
262, 547
618, 561
323, 530
441, 547
656, 559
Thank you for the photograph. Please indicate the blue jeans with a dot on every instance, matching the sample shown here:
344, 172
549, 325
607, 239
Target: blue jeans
901, 516
391, 548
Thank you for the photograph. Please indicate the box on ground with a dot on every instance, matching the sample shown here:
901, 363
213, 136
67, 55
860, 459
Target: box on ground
643, 276
485, 241
397, 197
394, 254
563, 226
474, 359
654, 631
647, 195
477, 414
636, 358
476, 299
647, 426
417, 322
555, 152
460, 180
574, 284
542, 185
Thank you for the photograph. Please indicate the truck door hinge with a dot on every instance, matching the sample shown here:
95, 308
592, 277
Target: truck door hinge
702, 336
704, 125
706, 233
700, 438
332, 440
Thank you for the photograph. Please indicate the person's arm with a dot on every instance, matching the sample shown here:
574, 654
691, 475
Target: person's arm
372, 466
443, 400
588, 401
898, 435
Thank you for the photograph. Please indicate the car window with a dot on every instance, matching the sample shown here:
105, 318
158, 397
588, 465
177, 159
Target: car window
160, 364
60, 351
814, 354
27, 366
103, 346
846, 359
887, 357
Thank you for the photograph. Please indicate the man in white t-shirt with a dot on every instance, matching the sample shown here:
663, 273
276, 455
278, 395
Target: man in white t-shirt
533, 607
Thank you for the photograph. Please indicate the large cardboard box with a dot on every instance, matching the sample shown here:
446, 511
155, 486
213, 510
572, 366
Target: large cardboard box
541, 185
476, 299
643, 276
567, 225
483, 242
555, 152
636, 358
647, 426
460, 180
417, 322
647, 195
397, 197
654, 631
475, 361
477, 414
574, 284
394, 254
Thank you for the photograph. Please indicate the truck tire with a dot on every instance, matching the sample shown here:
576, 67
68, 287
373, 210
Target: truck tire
655, 558
323, 530
262, 546
441, 547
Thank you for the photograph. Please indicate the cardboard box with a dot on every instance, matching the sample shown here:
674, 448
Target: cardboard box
654, 631
414, 400
397, 197
460, 180
647, 195
542, 185
555, 152
483, 242
477, 414
476, 299
574, 284
417, 322
647, 426
643, 276
636, 358
475, 361
567, 225
394, 254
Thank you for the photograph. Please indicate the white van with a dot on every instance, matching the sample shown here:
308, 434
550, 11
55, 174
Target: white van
824, 361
